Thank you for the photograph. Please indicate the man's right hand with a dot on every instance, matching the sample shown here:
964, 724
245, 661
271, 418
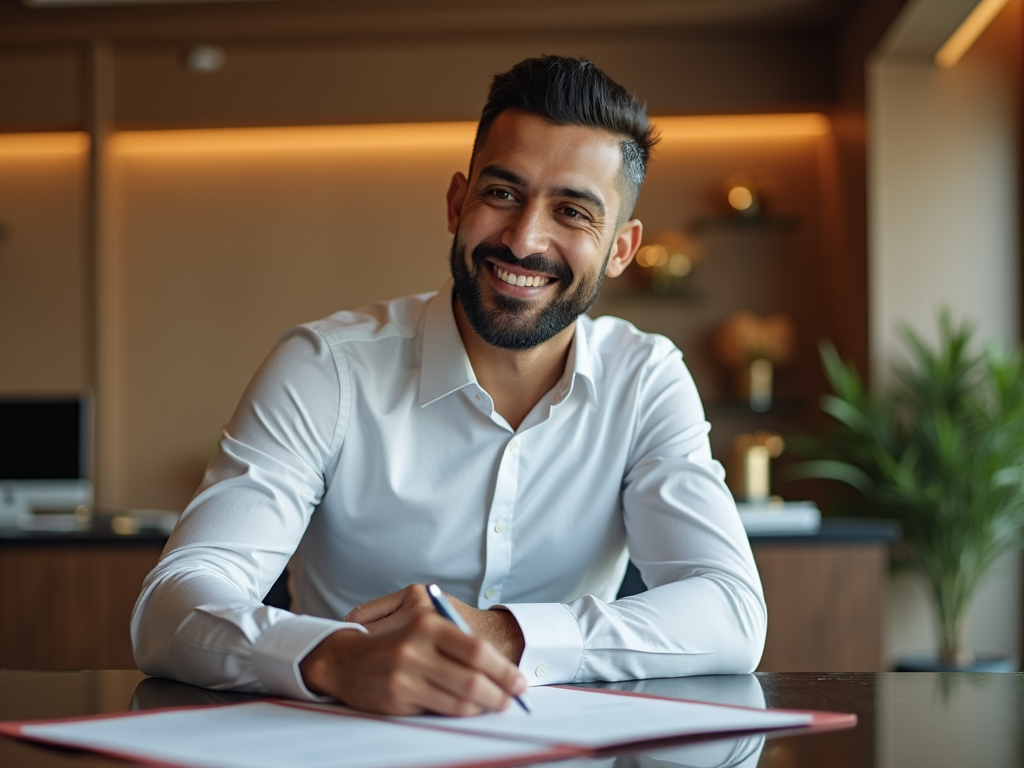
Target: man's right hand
427, 665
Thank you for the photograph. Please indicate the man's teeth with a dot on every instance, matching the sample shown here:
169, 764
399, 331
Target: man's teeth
532, 281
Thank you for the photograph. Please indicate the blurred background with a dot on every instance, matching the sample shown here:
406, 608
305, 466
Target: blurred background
180, 183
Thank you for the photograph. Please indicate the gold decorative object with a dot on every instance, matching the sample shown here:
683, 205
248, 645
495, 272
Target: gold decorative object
754, 346
667, 259
751, 475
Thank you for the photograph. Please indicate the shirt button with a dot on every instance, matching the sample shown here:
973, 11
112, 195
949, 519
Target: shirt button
478, 397
514, 443
541, 670
499, 527
489, 593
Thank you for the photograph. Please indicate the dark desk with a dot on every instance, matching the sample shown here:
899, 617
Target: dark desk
905, 720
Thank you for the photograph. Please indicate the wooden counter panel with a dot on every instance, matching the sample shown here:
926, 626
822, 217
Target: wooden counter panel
69, 606
824, 607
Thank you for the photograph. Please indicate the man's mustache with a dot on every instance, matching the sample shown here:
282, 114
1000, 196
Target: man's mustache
532, 263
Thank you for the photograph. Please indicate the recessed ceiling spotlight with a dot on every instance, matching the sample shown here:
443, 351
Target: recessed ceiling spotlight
204, 59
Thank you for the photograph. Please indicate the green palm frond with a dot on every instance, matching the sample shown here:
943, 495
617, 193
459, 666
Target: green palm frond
941, 451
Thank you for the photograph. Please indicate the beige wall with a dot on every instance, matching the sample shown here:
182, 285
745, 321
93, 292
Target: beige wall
224, 253
42, 220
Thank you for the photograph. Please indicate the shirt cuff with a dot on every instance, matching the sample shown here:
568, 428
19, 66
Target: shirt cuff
278, 651
554, 642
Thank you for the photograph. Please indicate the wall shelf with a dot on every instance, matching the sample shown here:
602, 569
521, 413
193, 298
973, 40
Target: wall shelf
738, 406
734, 223
682, 295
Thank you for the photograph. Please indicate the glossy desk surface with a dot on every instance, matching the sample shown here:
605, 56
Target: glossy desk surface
905, 720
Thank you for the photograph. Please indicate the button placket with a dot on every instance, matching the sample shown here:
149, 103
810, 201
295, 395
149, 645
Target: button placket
498, 541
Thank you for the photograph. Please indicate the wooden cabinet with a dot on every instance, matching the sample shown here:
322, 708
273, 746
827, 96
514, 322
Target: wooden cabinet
825, 595
825, 606
67, 605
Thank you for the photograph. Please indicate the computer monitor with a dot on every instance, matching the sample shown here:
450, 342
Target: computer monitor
45, 452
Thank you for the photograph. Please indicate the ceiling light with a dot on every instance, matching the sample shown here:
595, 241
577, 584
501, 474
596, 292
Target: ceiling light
204, 59
970, 29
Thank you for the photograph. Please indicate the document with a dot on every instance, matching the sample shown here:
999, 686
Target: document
566, 722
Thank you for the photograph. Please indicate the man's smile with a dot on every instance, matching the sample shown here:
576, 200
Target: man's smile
519, 279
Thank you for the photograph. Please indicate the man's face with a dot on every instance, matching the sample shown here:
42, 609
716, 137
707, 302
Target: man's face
535, 228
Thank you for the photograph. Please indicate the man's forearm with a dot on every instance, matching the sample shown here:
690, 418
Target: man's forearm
501, 629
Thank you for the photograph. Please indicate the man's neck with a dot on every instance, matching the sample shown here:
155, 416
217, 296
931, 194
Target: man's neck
516, 380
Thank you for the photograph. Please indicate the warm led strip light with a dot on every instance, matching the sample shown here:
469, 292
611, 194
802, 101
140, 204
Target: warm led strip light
388, 135
743, 126
23, 144
306, 138
440, 135
970, 29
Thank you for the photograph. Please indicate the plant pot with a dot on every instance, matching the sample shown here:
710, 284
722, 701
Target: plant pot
981, 663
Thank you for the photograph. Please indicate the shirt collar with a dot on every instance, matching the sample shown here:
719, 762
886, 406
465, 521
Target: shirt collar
581, 361
445, 366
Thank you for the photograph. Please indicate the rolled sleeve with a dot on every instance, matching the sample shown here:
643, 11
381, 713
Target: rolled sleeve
554, 642
277, 652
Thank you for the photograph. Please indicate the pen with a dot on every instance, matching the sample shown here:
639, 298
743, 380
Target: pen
446, 609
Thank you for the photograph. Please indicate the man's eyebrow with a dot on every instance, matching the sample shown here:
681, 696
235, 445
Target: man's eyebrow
514, 178
582, 194
504, 174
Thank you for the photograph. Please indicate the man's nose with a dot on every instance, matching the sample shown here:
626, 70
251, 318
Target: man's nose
527, 232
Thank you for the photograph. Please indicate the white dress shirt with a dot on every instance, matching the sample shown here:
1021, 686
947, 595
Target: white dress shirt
365, 451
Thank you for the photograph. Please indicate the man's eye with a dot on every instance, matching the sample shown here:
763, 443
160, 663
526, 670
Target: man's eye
572, 213
502, 194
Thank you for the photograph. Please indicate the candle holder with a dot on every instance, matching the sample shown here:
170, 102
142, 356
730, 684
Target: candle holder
752, 455
753, 347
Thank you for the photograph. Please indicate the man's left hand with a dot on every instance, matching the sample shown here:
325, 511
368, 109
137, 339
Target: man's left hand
399, 608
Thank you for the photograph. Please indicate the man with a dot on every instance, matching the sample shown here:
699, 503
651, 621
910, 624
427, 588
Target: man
490, 438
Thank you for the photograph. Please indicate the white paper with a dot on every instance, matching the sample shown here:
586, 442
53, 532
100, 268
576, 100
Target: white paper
268, 735
592, 719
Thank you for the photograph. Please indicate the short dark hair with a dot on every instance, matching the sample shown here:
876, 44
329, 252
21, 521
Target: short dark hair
570, 91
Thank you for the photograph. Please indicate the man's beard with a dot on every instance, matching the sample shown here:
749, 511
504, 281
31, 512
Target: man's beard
511, 323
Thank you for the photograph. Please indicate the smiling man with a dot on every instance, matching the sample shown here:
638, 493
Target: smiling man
491, 438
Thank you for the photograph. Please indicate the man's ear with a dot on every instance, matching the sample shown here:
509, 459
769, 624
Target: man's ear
627, 240
456, 197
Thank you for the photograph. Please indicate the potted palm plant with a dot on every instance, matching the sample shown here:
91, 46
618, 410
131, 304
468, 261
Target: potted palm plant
941, 451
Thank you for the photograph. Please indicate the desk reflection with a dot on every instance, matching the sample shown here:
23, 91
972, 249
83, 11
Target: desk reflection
158, 693
742, 751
